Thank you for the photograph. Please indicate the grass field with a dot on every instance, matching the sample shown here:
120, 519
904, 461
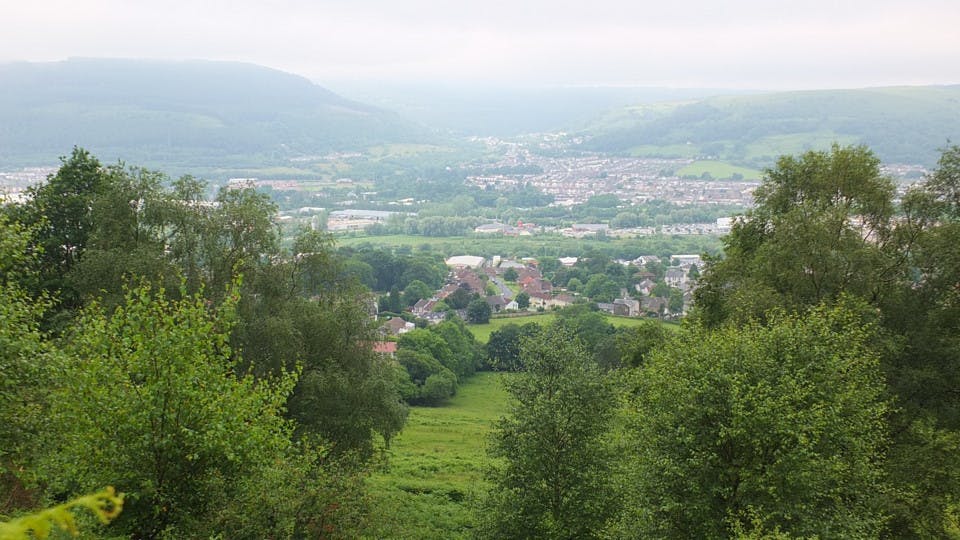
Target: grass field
482, 331
434, 474
719, 170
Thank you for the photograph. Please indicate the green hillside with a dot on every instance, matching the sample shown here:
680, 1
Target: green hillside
170, 114
434, 472
901, 124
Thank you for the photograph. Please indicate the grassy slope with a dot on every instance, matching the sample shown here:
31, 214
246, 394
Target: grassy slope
901, 124
434, 475
719, 169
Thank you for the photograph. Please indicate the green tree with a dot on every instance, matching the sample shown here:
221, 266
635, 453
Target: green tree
503, 346
510, 274
60, 214
783, 424
821, 227
149, 402
554, 481
28, 363
600, 288
459, 298
523, 300
415, 291
635, 344
478, 311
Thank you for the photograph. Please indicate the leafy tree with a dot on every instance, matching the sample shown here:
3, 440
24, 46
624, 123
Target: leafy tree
459, 298
149, 401
783, 424
510, 274
467, 353
675, 304
27, 361
61, 211
554, 481
590, 327
523, 300
635, 344
821, 227
433, 383
416, 291
503, 346
478, 311
601, 288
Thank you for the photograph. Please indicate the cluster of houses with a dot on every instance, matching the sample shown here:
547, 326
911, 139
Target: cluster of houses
477, 275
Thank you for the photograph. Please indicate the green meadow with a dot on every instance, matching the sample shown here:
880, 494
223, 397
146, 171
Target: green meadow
719, 169
434, 472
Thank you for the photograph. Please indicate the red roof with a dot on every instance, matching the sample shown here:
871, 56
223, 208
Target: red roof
385, 347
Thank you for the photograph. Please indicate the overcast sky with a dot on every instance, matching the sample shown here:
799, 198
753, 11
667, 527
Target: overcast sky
761, 44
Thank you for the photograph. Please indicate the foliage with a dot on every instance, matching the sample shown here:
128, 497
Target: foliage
478, 311
554, 481
783, 423
27, 361
149, 398
821, 227
106, 505
503, 347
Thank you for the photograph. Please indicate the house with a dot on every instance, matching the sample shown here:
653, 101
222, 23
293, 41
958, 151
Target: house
497, 302
422, 307
645, 287
676, 277
653, 305
687, 260
397, 326
605, 307
626, 307
388, 348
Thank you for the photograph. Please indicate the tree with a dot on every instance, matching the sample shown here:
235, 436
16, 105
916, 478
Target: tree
510, 274
636, 343
503, 346
478, 311
416, 291
821, 228
459, 298
523, 300
28, 363
149, 401
59, 213
554, 481
782, 424
600, 288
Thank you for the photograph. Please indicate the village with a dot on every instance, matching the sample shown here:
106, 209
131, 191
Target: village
514, 288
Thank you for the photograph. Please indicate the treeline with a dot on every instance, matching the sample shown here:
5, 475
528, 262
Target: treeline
168, 345
812, 394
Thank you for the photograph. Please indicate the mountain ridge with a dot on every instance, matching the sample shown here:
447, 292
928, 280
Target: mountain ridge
192, 112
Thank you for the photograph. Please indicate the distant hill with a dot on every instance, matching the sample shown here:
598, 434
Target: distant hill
506, 111
901, 124
177, 114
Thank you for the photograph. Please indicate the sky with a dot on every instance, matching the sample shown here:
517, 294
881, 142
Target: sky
749, 44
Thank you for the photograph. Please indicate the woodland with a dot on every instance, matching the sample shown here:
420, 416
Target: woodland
225, 381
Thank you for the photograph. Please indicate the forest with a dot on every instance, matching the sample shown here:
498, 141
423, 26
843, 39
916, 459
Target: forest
225, 381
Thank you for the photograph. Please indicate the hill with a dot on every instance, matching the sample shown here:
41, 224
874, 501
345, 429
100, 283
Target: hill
505, 111
172, 114
901, 124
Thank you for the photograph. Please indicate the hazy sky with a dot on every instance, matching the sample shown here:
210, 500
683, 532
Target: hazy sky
738, 44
